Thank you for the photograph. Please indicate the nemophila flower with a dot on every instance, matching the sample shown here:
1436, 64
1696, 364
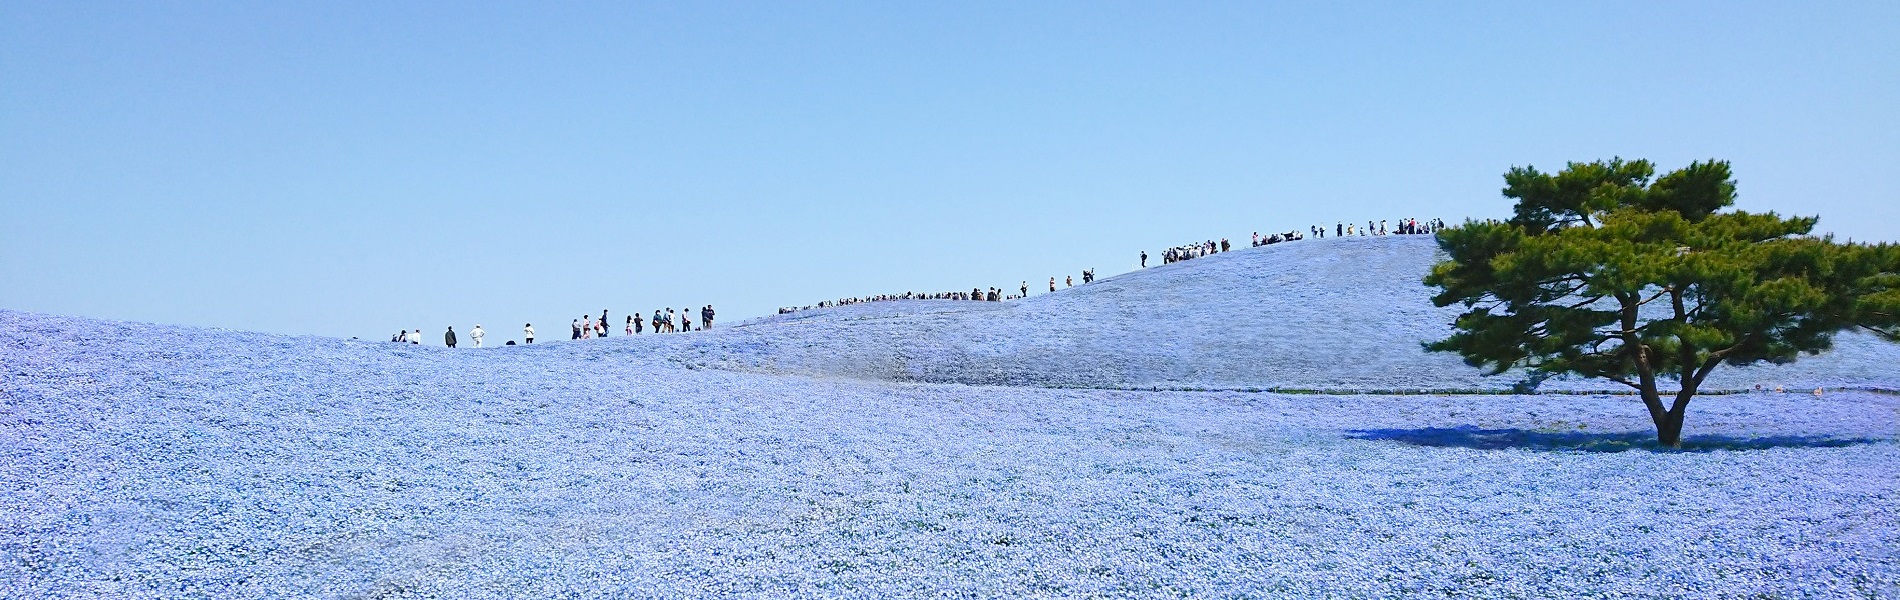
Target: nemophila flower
149, 461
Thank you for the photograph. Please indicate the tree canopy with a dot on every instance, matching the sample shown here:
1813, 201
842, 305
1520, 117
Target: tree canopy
1606, 271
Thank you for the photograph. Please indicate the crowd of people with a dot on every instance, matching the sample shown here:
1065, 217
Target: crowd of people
587, 327
664, 320
1407, 226
975, 294
448, 338
667, 320
1190, 251
1275, 238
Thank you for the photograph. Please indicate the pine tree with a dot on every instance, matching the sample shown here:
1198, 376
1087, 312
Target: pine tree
1606, 273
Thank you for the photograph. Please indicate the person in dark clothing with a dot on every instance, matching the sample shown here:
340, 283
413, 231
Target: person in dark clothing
706, 317
1144, 259
603, 323
577, 329
449, 338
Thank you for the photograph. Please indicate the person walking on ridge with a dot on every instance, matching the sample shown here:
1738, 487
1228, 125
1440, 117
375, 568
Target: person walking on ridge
449, 338
1144, 259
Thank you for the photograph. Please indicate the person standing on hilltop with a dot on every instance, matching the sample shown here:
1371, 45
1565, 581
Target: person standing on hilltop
476, 335
603, 322
529, 330
1026, 284
417, 338
577, 329
656, 321
686, 320
706, 316
1144, 264
449, 338
1052, 284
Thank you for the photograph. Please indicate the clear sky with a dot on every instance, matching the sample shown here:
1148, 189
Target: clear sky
351, 169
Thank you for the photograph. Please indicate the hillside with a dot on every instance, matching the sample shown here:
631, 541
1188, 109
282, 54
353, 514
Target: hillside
811, 455
1337, 314
147, 461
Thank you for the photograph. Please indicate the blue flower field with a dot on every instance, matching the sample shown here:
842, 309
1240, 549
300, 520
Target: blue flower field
1260, 423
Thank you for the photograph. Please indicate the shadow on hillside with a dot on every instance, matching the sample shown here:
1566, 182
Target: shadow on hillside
1578, 441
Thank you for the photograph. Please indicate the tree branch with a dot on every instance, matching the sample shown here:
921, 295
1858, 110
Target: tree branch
1585, 302
1653, 298
1715, 358
1624, 382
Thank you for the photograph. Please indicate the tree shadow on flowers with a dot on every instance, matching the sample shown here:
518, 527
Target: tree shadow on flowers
1579, 441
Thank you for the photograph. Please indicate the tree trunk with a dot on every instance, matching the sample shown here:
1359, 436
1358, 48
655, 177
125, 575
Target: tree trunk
1669, 431
1669, 425
1666, 433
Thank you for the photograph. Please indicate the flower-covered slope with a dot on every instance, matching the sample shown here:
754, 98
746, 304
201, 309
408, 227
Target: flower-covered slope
144, 461
1335, 314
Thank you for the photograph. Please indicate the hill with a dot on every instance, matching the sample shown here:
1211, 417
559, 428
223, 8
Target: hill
151, 461
1344, 314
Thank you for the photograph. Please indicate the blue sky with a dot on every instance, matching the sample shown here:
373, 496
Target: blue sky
351, 169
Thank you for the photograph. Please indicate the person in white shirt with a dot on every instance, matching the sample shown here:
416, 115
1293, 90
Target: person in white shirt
476, 335
529, 329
